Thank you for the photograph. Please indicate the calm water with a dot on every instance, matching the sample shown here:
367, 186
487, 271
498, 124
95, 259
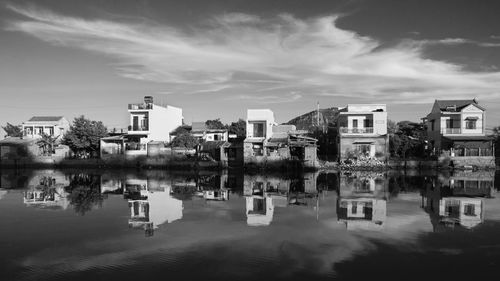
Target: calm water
98, 225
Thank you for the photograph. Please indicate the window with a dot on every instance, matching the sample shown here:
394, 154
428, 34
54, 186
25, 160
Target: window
355, 123
470, 124
469, 210
258, 150
258, 130
432, 124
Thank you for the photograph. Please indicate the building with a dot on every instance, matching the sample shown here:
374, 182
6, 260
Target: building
456, 131
363, 132
457, 201
362, 201
55, 126
200, 131
149, 123
19, 149
269, 144
151, 204
152, 122
264, 193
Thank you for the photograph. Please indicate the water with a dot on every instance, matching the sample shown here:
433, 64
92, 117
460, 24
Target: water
152, 225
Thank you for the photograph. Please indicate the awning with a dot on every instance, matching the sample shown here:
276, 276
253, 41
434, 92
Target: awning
472, 118
363, 142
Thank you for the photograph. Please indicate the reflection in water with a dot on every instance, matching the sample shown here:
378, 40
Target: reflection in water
151, 204
194, 216
49, 193
362, 201
263, 193
457, 200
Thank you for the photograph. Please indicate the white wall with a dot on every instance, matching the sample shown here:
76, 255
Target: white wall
162, 121
260, 115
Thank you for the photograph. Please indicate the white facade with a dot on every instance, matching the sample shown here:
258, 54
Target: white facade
39, 125
364, 119
153, 122
260, 123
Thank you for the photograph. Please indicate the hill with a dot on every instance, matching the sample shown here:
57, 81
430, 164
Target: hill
327, 118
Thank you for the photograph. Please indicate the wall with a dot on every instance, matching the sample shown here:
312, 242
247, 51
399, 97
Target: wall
347, 146
162, 121
260, 115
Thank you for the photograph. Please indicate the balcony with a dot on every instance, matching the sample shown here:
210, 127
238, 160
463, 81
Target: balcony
138, 129
451, 131
367, 130
140, 106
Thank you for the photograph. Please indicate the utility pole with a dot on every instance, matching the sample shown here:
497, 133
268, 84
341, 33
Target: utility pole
317, 115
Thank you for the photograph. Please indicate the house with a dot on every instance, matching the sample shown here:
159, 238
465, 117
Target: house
363, 132
151, 204
269, 144
456, 131
457, 201
19, 149
200, 131
55, 126
362, 201
149, 123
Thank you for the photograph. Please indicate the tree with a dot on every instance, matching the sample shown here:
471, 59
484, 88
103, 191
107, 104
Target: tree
181, 130
84, 192
13, 130
215, 124
407, 140
185, 140
47, 143
239, 128
84, 136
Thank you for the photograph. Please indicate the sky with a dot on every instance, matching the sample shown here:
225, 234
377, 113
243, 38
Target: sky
217, 58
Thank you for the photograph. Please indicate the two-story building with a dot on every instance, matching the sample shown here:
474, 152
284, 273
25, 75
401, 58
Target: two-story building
270, 144
456, 129
54, 126
149, 123
152, 122
363, 132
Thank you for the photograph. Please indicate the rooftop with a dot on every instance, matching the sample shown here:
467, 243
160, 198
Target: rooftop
45, 118
458, 104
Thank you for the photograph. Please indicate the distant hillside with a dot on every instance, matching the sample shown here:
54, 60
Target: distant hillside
308, 121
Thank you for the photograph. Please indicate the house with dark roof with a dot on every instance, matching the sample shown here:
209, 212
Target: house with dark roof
36, 126
456, 130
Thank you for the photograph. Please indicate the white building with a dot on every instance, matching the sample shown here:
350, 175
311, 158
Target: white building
199, 130
55, 126
456, 128
363, 131
152, 122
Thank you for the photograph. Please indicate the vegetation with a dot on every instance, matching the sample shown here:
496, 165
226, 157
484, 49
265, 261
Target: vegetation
496, 140
13, 130
84, 136
215, 124
239, 128
407, 139
47, 143
185, 140
84, 193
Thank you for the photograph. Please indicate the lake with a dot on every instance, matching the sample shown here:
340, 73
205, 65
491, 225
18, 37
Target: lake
152, 225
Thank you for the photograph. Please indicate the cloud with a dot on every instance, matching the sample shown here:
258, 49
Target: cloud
276, 56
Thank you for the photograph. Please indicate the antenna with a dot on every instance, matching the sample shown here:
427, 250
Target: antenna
317, 115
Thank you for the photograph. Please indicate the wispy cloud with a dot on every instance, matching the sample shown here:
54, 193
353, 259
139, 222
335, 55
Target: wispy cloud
278, 55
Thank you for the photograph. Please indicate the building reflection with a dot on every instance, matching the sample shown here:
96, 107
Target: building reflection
151, 204
46, 190
213, 187
457, 200
362, 200
263, 193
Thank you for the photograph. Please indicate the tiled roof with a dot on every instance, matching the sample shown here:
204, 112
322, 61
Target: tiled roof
459, 104
45, 118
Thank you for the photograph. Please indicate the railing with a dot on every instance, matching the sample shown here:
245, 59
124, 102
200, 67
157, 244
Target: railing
345, 130
138, 128
139, 106
451, 131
